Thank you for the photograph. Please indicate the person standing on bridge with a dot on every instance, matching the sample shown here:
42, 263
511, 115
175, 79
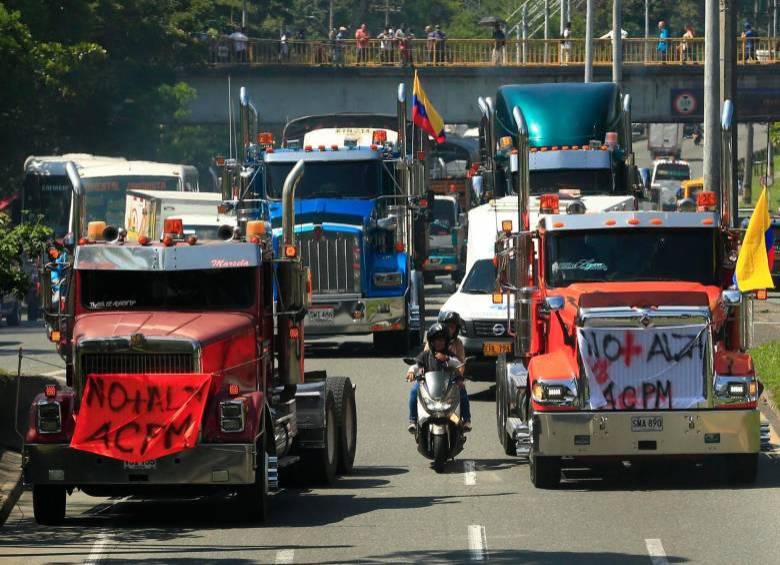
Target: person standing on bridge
748, 43
338, 47
685, 45
566, 44
240, 41
361, 40
385, 45
439, 40
499, 45
663, 36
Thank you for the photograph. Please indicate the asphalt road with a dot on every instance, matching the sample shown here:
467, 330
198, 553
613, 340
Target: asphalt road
394, 508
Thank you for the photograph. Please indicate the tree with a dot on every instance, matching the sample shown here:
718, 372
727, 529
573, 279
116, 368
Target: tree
29, 240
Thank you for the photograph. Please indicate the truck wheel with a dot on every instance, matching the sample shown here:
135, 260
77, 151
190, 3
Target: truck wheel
254, 497
346, 418
743, 468
49, 504
502, 413
324, 461
440, 450
545, 471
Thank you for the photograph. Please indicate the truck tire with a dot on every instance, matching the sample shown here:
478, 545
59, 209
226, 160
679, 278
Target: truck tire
346, 418
440, 450
15, 316
545, 471
743, 468
254, 497
49, 504
502, 411
323, 462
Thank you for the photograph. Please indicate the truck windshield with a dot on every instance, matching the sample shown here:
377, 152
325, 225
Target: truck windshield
49, 196
334, 179
212, 289
444, 212
635, 255
106, 195
481, 279
672, 172
588, 181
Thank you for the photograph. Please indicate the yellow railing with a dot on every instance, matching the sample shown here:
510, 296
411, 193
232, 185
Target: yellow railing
478, 52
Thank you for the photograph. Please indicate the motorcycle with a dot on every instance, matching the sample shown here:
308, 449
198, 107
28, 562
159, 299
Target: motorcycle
439, 434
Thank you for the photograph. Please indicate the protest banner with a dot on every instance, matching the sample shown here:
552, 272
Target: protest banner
644, 368
140, 417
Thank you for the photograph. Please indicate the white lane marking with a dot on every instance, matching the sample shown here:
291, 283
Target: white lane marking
656, 551
284, 556
478, 543
469, 473
98, 552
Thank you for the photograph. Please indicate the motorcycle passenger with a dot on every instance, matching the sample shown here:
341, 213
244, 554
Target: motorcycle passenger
451, 321
435, 357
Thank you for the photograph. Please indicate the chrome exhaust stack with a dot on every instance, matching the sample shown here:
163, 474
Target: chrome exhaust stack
247, 136
77, 203
524, 293
288, 203
727, 198
401, 113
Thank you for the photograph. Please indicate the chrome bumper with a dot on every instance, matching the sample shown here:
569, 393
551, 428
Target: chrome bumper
704, 432
379, 314
205, 464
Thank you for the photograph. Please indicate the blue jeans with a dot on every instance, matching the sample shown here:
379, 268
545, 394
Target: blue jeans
465, 405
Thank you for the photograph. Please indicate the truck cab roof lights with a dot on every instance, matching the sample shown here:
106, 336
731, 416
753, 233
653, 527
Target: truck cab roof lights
611, 139
610, 222
265, 138
374, 147
173, 227
192, 240
548, 204
95, 230
219, 161
334, 147
321, 147
269, 149
168, 240
656, 222
379, 137
706, 201
143, 240
633, 221
290, 251
506, 226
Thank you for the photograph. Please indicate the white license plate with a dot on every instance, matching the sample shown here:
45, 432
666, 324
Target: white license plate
143, 466
321, 314
647, 424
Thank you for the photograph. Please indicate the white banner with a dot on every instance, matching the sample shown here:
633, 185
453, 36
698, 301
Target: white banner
644, 369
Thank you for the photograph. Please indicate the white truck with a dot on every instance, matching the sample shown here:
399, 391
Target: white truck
665, 140
147, 210
666, 181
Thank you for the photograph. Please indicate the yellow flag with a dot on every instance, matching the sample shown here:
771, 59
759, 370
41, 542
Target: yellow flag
753, 262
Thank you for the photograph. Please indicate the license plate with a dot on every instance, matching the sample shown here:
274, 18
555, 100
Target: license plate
647, 424
321, 314
496, 348
143, 466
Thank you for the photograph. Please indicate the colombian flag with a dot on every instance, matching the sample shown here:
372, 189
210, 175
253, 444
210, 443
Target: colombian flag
757, 253
424, 115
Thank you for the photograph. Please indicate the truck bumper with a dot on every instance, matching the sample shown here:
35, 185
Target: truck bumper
441, 263
205, 464
702, 432
337, 315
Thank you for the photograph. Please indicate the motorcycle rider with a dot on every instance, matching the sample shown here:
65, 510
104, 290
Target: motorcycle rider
436, 356
452, 322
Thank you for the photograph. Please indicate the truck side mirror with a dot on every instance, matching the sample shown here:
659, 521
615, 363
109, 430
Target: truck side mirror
554, 303
731, 297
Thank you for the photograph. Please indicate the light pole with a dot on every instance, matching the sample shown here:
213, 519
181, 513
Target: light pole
589, 41
617, 43
647, 29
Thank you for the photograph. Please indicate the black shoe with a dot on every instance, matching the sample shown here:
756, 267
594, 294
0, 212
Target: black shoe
412, 427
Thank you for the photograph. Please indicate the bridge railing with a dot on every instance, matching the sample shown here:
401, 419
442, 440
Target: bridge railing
478, 52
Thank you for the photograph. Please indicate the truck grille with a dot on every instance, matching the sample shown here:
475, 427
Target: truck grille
101, 363
485, 328
334, 261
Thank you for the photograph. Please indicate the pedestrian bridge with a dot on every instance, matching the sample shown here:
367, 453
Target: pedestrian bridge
305, 81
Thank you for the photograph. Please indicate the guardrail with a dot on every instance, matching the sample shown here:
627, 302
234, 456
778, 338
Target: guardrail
477, 52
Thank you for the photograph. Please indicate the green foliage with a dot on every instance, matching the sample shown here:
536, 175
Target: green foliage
767, 360
17, 242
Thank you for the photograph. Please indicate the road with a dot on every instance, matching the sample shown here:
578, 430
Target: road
394, 508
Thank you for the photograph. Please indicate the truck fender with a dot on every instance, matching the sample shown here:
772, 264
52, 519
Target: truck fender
438, 429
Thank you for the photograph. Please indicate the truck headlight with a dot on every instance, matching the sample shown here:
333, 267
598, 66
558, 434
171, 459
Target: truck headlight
731, 389
231, 415
388, 279
49, 417
558, 392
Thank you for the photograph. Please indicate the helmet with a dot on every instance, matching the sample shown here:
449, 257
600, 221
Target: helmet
450, 317
436, 330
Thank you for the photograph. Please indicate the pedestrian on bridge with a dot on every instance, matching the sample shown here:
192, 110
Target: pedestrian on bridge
748, 43
439, 45
430, 43
499, 45
338, 47
663, 36
240, 41
686, 43
385, 45
361, 41
566, 44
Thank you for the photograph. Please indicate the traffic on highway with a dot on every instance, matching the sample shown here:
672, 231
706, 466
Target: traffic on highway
382, 343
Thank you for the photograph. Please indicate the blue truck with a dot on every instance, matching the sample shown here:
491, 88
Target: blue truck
361, 217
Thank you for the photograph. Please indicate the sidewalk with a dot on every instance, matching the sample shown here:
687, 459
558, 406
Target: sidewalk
10, 481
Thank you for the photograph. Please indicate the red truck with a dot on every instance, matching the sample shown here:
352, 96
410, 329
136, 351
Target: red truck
630, 343
188, 374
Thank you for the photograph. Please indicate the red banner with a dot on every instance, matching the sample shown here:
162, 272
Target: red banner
140, 417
